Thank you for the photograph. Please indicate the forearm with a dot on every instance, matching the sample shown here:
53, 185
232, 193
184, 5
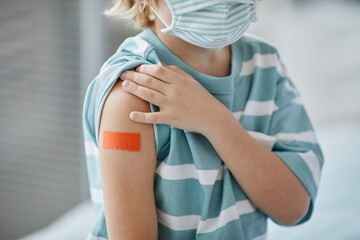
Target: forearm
263, 176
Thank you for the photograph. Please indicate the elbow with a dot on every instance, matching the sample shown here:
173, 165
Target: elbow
294, 214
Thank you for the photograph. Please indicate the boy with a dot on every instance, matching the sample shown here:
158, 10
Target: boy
225, 141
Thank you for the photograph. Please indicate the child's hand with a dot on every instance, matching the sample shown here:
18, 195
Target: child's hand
184, 103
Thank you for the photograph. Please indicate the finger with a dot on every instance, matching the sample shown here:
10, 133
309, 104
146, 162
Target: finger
145, 81
177, 70
161, 72
151, 117
145, 93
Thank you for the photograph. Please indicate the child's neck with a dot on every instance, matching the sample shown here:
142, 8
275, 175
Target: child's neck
216, 63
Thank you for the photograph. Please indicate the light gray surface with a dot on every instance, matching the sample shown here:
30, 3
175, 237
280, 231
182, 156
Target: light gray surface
337, 210
319, 42
41, 171
72, 225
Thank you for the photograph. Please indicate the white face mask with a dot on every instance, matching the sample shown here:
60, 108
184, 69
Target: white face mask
210, 24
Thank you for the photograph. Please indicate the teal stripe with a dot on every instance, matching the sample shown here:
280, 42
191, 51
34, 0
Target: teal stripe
225, 193
256, 123
98, 208
284, 96
255, 88
167, 197
200, 148
284, 118
250, 46
99, 229
258, 219
165, 233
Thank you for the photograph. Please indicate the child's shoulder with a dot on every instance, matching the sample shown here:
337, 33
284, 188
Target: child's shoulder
135, 45
132, 50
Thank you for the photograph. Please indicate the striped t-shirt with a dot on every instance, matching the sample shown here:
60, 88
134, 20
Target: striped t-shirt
196, 195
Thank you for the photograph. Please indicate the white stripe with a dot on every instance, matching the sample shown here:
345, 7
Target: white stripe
306, 136
178, 223
188, 171
281, 68
261, 237
101, 78
226, 216
105, 65
96, 195
92, 237
142, 45
263, 61
313, 164
123, 59
297, 100
265, 140
193, 222
90, 148
258, 108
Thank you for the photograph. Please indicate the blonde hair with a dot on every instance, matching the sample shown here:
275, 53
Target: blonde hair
140, 14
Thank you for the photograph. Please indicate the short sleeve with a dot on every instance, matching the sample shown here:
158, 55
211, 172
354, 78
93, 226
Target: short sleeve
133, 52
296, 141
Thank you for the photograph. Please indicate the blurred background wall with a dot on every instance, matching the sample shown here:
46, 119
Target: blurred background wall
50, 50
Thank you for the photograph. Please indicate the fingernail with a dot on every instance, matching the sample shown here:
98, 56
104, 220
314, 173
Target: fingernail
125, 84
138, 68
123, 75
133, 116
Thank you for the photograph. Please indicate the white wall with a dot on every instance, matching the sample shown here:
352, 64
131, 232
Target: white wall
320, 44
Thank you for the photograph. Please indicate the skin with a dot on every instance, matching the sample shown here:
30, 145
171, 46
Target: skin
185, 104
128, 176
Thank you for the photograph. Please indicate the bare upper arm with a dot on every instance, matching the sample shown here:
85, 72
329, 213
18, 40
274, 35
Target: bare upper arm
128, 177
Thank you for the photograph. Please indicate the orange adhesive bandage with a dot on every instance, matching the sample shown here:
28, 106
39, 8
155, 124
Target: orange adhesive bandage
121, 140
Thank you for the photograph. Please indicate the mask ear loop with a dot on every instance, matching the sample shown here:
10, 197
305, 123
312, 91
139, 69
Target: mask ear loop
142, 8
161, 19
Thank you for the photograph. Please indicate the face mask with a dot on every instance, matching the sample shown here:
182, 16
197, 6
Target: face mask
210, 24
